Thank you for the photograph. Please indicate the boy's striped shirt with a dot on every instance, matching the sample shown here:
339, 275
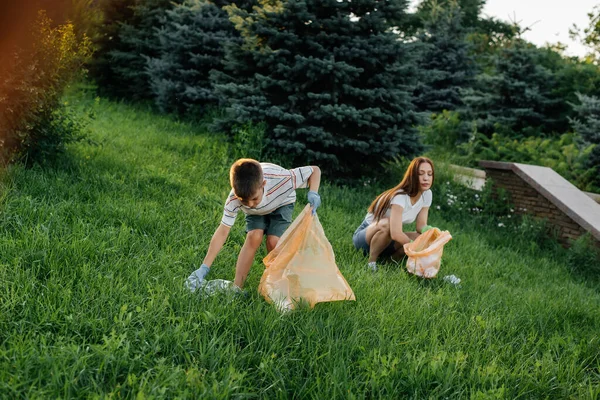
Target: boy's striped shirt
279, 190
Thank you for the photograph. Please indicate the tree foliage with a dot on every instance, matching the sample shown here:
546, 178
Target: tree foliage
590, 36
331, 82
126, 39
192, 38
447, 64
587, 125
34, 124
516, 98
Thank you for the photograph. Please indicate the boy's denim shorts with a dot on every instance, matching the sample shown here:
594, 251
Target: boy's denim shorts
360, 241
274, 223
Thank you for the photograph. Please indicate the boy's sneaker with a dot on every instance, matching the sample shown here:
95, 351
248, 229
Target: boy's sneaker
372, 266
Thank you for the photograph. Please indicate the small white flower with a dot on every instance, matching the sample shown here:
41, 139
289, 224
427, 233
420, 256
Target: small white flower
438, 207
501, 225
511, 210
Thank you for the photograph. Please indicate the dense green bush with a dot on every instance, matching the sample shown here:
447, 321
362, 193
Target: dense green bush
34, 124
85, 15
562, 154
445, 131
587, 125
249, 142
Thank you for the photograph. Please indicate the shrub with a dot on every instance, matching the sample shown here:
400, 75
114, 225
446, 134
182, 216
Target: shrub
34, 124
587, 125
562, 154
445, 131
248, 142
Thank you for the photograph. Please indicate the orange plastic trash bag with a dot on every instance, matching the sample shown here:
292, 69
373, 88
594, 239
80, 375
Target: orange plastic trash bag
302, 266
425, 253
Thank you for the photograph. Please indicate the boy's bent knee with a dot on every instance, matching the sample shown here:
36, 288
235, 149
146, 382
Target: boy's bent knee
272, 242
254, 238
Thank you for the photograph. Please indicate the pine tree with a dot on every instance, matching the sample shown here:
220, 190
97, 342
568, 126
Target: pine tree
128, 38
486, 31
516, 99
587, 125
113, 12
192, 43
447, 64
328, 78
470, 9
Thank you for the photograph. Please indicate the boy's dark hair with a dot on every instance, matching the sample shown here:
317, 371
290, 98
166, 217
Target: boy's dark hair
246, 177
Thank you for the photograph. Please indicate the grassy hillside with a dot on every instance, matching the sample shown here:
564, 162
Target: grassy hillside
94, 253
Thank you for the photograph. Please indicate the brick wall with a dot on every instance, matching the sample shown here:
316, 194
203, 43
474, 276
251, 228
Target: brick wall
527, 200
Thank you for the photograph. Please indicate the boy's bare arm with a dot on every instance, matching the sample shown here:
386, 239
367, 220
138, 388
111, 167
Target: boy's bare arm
314, 180
216, 244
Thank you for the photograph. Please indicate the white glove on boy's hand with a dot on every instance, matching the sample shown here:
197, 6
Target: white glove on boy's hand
314, 199
194, 281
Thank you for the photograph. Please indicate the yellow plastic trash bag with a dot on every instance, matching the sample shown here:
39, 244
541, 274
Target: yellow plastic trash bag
302, 266
425, 253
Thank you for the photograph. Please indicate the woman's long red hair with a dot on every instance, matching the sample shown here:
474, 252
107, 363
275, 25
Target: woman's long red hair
409, 185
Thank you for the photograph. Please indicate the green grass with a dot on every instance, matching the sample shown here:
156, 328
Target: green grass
94, 253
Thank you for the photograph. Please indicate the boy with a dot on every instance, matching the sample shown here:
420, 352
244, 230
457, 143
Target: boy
266, 194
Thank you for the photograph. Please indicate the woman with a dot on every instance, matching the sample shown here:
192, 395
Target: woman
381, 234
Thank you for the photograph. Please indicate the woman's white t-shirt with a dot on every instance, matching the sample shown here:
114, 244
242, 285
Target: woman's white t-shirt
410, 211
